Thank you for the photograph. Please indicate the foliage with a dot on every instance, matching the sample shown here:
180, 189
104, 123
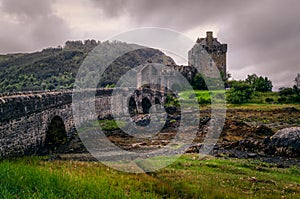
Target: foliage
269, 100
289, 95
110, 125
171, 100
110, 86
201, 82
260, 84
239, 93
198, 82
203, 97
297, 81
258, 98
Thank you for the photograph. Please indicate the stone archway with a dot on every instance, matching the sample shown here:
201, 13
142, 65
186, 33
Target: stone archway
157, 101
146, 105
132, 108
56, 135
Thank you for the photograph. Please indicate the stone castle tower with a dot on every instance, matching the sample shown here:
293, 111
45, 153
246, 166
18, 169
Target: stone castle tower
216, 54
206, 53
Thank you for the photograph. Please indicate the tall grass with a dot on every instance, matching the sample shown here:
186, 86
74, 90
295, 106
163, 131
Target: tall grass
188, 177
36, 178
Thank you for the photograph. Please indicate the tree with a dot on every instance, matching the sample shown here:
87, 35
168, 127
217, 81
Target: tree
239, 93
289, 95
198, 82
261, 84
297, 81
251, 79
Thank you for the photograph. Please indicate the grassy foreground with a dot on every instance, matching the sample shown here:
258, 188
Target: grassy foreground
188, 177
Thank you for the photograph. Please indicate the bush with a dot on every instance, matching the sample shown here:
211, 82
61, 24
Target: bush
282, 100
289, 95
286, 91
198, 82
239, 93
204, 100
269, 100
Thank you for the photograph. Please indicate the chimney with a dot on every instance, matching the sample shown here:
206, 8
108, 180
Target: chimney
209, 38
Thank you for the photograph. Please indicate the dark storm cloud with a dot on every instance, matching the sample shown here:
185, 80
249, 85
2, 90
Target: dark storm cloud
263, 36
25, 8
171, 13
30, 25
267, 37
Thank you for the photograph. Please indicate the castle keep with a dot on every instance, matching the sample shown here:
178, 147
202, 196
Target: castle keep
216, 51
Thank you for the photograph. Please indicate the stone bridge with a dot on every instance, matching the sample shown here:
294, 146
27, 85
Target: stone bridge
30, 121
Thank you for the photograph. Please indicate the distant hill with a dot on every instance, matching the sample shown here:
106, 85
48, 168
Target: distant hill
56, 68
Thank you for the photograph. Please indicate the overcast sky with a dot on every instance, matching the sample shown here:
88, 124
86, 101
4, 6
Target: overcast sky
263, 36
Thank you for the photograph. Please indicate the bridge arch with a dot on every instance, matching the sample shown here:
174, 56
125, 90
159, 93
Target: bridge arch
56, 133
146, 105
132, 106
157, 101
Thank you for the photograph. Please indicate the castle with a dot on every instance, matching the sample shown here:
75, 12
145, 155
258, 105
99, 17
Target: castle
204, 57
217, 54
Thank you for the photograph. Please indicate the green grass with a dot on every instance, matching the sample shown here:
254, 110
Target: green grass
110, 125
258, 101
260, 97
203, 97
262, 106
188, 177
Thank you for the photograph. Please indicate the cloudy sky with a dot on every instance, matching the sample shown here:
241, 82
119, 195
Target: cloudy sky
263, 35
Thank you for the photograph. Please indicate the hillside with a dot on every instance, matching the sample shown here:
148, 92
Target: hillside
56, 68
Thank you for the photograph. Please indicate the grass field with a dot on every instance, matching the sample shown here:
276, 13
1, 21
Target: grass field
189, 177
257, 102
205, 96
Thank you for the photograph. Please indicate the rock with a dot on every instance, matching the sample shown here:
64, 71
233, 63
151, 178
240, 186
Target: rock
171, 109
194, 148
290, 109
143, 121
263, 130
251, 145
251, 155
285, 142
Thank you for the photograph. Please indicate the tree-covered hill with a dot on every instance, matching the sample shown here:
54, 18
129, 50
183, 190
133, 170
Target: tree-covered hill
56, 68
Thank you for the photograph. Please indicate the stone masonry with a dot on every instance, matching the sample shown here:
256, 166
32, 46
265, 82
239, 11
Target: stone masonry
25, 118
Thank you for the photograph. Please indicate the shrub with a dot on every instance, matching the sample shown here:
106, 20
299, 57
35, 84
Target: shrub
269, 100
204, 100
239, 93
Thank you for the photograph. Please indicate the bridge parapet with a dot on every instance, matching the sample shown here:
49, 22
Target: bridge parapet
21, 104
